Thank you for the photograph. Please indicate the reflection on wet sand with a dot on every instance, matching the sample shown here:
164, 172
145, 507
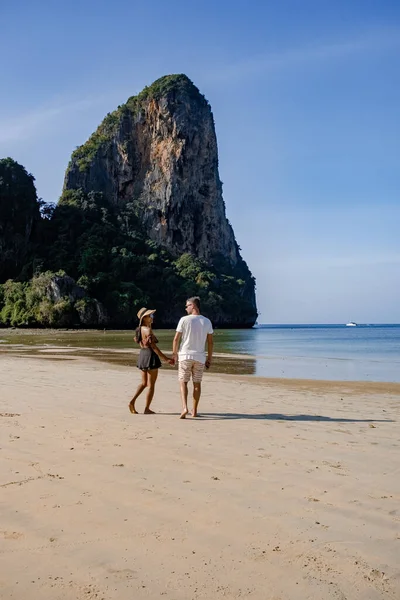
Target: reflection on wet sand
221, 364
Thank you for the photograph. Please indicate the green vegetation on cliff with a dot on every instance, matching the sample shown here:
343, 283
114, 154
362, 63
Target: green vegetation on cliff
19, 216
90, 264
84, 154
165, 85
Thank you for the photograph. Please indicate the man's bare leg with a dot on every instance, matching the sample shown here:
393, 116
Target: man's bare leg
196, 397
139, 390
151, 383
184, 396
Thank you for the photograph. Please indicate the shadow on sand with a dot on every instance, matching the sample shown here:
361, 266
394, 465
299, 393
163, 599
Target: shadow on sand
282, 417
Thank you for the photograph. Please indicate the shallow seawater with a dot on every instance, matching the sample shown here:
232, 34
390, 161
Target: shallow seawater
365, 353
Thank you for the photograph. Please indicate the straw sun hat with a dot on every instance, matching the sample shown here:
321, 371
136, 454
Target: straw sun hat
143, 312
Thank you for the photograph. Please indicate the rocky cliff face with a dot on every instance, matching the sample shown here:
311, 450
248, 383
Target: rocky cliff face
159, 153
91, 312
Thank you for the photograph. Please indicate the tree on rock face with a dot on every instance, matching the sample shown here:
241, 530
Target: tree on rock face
19, 211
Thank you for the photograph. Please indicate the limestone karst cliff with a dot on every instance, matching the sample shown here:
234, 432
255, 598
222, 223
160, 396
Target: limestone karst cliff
159, 150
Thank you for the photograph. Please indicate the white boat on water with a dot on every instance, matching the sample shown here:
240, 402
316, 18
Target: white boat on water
351, 324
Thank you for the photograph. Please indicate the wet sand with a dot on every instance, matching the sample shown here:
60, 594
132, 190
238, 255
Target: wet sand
282, 490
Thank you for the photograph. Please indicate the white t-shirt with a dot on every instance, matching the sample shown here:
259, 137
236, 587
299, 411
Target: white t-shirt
194, 330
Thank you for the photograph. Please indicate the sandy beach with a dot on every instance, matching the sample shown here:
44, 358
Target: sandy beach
282, 490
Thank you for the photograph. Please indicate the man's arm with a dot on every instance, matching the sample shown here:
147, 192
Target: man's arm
175, 345
210, 345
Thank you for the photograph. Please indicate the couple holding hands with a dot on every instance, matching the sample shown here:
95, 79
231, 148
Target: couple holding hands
192, 334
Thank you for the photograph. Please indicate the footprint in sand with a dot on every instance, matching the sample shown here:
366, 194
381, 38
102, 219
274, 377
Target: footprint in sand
10, 415
122, 573
12, 535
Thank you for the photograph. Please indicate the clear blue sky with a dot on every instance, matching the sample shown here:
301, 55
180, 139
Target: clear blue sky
306, 99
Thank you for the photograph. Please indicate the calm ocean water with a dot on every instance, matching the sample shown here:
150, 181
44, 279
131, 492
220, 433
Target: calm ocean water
332, 352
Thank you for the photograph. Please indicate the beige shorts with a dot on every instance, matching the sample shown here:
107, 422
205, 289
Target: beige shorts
190, 368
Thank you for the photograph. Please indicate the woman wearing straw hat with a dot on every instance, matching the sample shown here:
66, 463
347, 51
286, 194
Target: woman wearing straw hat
149, 359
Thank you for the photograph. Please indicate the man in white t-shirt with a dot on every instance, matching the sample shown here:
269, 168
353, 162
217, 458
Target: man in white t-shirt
193, 332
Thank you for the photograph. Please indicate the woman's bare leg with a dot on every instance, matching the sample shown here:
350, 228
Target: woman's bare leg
139, 390
151, 384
